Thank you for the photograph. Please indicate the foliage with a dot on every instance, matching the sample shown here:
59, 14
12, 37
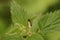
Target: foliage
30, 20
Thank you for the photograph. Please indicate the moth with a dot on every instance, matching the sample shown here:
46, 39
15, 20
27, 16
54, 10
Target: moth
29, 24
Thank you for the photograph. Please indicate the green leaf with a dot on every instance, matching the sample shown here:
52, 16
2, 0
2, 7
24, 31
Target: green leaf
18, 13
49, 25
9, 37
35, 37
53, 35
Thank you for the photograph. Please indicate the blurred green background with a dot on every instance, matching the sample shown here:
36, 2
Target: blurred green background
5, 16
